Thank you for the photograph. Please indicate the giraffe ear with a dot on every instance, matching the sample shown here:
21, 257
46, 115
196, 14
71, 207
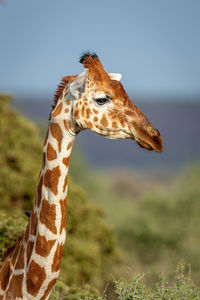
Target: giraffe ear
115, 76
77, 87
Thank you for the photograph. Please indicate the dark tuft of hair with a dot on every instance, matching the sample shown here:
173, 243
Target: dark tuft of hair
87, 54
27, 213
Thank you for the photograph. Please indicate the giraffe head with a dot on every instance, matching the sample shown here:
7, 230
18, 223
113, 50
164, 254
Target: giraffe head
100, 103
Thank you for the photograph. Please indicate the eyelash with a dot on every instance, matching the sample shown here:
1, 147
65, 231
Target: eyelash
101, 101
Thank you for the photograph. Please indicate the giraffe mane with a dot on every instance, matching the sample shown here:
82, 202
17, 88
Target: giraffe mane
66, 80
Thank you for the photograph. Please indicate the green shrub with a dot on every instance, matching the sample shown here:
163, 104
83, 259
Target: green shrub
11, 225
182, 287
20, 148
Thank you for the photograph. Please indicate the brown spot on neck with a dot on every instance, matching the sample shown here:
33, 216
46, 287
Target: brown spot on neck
66, 161
48, 216
56, 132
65, 184
27, 232
35, 278
43, 247
34, 222
51, 153
57, 258
48, 289
43, 160
29, 250
57, 110
15, 287
67, 124
15, 253
5, 275
51, 178
69, 145
39, 190
63, 214
20, 260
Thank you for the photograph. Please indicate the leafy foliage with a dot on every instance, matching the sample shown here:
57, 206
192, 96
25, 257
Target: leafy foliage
20, 146
182, 289
10, 227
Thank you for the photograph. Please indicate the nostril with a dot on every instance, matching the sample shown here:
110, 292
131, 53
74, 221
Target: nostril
154, 131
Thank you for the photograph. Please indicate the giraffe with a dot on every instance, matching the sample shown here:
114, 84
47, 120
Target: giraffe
93, 100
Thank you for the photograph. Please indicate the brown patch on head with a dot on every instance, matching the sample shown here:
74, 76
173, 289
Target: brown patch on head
89, 124
66, 161
51, 178
68, 102
95, 111
63, 215
88, 113
34, 222
76, 114
43, 247
48, 216
39, 191
15, 287
114, 124
20, 260
35, 278
67, 124
104, 121
129, 113
83, 110
65, 184
122, 121
29, 250
57, 258
56, 132
51, 153
48, 289
5, 275
66, 110
57, 110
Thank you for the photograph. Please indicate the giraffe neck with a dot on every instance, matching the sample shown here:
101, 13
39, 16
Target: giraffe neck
35, 263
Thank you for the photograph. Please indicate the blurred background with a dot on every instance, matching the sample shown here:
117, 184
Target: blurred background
149, 201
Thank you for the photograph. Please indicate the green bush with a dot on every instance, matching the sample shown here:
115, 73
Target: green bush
20, 148
182, 288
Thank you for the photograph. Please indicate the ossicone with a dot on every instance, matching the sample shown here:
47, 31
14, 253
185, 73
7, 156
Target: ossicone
86, 55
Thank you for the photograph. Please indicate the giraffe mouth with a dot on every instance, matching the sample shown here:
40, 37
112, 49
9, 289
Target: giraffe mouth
143, 144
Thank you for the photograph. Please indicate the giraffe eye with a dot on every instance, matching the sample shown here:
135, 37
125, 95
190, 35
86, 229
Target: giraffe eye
101, 101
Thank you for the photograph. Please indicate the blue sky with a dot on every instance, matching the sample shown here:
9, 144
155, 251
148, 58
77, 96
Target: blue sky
155, 44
